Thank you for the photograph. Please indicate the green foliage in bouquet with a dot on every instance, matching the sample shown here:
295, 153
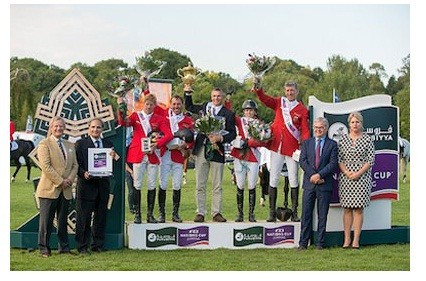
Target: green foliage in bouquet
259, 130
208, 124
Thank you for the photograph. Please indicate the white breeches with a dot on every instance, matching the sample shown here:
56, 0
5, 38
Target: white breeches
167, 166
140, 169
245, 169
277, 162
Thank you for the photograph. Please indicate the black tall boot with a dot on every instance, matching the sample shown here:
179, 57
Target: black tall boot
252, 203
294, 203
150, 202
162, 205
176, 203
240, 203
286, 190
272, 204
137, 206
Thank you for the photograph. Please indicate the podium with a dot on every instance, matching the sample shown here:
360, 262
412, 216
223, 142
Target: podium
231, 235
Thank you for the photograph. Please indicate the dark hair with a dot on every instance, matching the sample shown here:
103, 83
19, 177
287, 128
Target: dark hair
217, 89
177, 97
98, 119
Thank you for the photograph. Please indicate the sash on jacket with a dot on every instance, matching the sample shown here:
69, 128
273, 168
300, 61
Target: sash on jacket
174, 121
286, 107
146, 126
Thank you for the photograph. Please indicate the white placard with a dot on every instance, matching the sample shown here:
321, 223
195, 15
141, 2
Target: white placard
296, 155
146, 144
100, 162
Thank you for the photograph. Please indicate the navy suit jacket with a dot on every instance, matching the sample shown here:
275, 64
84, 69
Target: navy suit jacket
91, 188
328, 163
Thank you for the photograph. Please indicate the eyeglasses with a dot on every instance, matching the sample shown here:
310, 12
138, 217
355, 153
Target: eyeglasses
319, 128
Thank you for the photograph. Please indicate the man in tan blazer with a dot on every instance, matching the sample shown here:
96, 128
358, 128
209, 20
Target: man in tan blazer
59, 168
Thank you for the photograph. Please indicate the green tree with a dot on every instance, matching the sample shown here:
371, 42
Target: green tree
26, 91
402, 98
392, 86
174, 61
348, 78
106, 71
375, 79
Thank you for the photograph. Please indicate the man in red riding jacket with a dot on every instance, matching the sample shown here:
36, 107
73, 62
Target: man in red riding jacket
289, 129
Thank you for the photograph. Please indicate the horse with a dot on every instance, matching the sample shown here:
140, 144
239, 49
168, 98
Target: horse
24, 149
404, 157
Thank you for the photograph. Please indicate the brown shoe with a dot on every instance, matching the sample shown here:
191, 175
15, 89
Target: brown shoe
219, 218
199, 218
45, 254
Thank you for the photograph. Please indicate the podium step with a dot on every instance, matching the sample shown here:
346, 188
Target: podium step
231, 235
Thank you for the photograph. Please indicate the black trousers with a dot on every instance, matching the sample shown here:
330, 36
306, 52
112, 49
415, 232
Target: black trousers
84, 230
48, 209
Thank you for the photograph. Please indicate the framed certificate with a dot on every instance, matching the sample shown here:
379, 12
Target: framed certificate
100, 162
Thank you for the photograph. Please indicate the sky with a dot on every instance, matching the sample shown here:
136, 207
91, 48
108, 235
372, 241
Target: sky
215, 37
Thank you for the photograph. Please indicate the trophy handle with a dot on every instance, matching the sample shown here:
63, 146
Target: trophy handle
179, 72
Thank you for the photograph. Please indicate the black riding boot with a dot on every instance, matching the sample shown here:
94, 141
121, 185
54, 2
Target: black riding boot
151, 201
137, 206
176, 203
294, 203
162, 205
252, 203
272, 204
286, 190
240, 203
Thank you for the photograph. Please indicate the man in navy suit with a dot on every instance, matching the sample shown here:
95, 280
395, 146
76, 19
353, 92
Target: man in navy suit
92, 193
318, 159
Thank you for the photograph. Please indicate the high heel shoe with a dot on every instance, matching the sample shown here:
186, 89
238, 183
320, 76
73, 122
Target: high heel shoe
346, 247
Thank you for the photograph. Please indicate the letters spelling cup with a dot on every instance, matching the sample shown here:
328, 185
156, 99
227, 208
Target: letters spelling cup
188, 75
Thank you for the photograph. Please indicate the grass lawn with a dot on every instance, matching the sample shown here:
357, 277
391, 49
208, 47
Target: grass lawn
380, 257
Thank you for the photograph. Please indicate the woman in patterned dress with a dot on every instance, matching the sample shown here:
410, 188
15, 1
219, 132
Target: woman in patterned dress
356, 157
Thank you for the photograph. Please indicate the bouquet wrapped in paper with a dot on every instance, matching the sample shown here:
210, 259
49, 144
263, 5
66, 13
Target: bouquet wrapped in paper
208, 124
258, 66
259, 130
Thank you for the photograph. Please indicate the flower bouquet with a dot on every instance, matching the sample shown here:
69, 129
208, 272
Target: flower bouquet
258, 66
259, 130
208, 124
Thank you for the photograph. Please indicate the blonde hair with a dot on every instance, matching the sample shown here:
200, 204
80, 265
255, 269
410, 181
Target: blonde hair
52, 121
357, 116
55, 119
151, 98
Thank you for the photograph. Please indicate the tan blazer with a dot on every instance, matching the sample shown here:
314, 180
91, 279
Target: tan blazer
55, 169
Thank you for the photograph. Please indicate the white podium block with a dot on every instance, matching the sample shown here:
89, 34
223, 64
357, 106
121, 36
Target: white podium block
168, 236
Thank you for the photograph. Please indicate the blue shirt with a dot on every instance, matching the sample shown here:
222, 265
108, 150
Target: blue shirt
322, 141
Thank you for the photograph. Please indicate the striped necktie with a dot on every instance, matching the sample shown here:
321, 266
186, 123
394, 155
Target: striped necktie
62, 148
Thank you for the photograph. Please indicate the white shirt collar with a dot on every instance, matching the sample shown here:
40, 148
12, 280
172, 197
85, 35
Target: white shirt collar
93, 139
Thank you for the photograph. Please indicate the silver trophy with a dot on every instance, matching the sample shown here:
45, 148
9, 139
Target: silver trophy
147, 66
